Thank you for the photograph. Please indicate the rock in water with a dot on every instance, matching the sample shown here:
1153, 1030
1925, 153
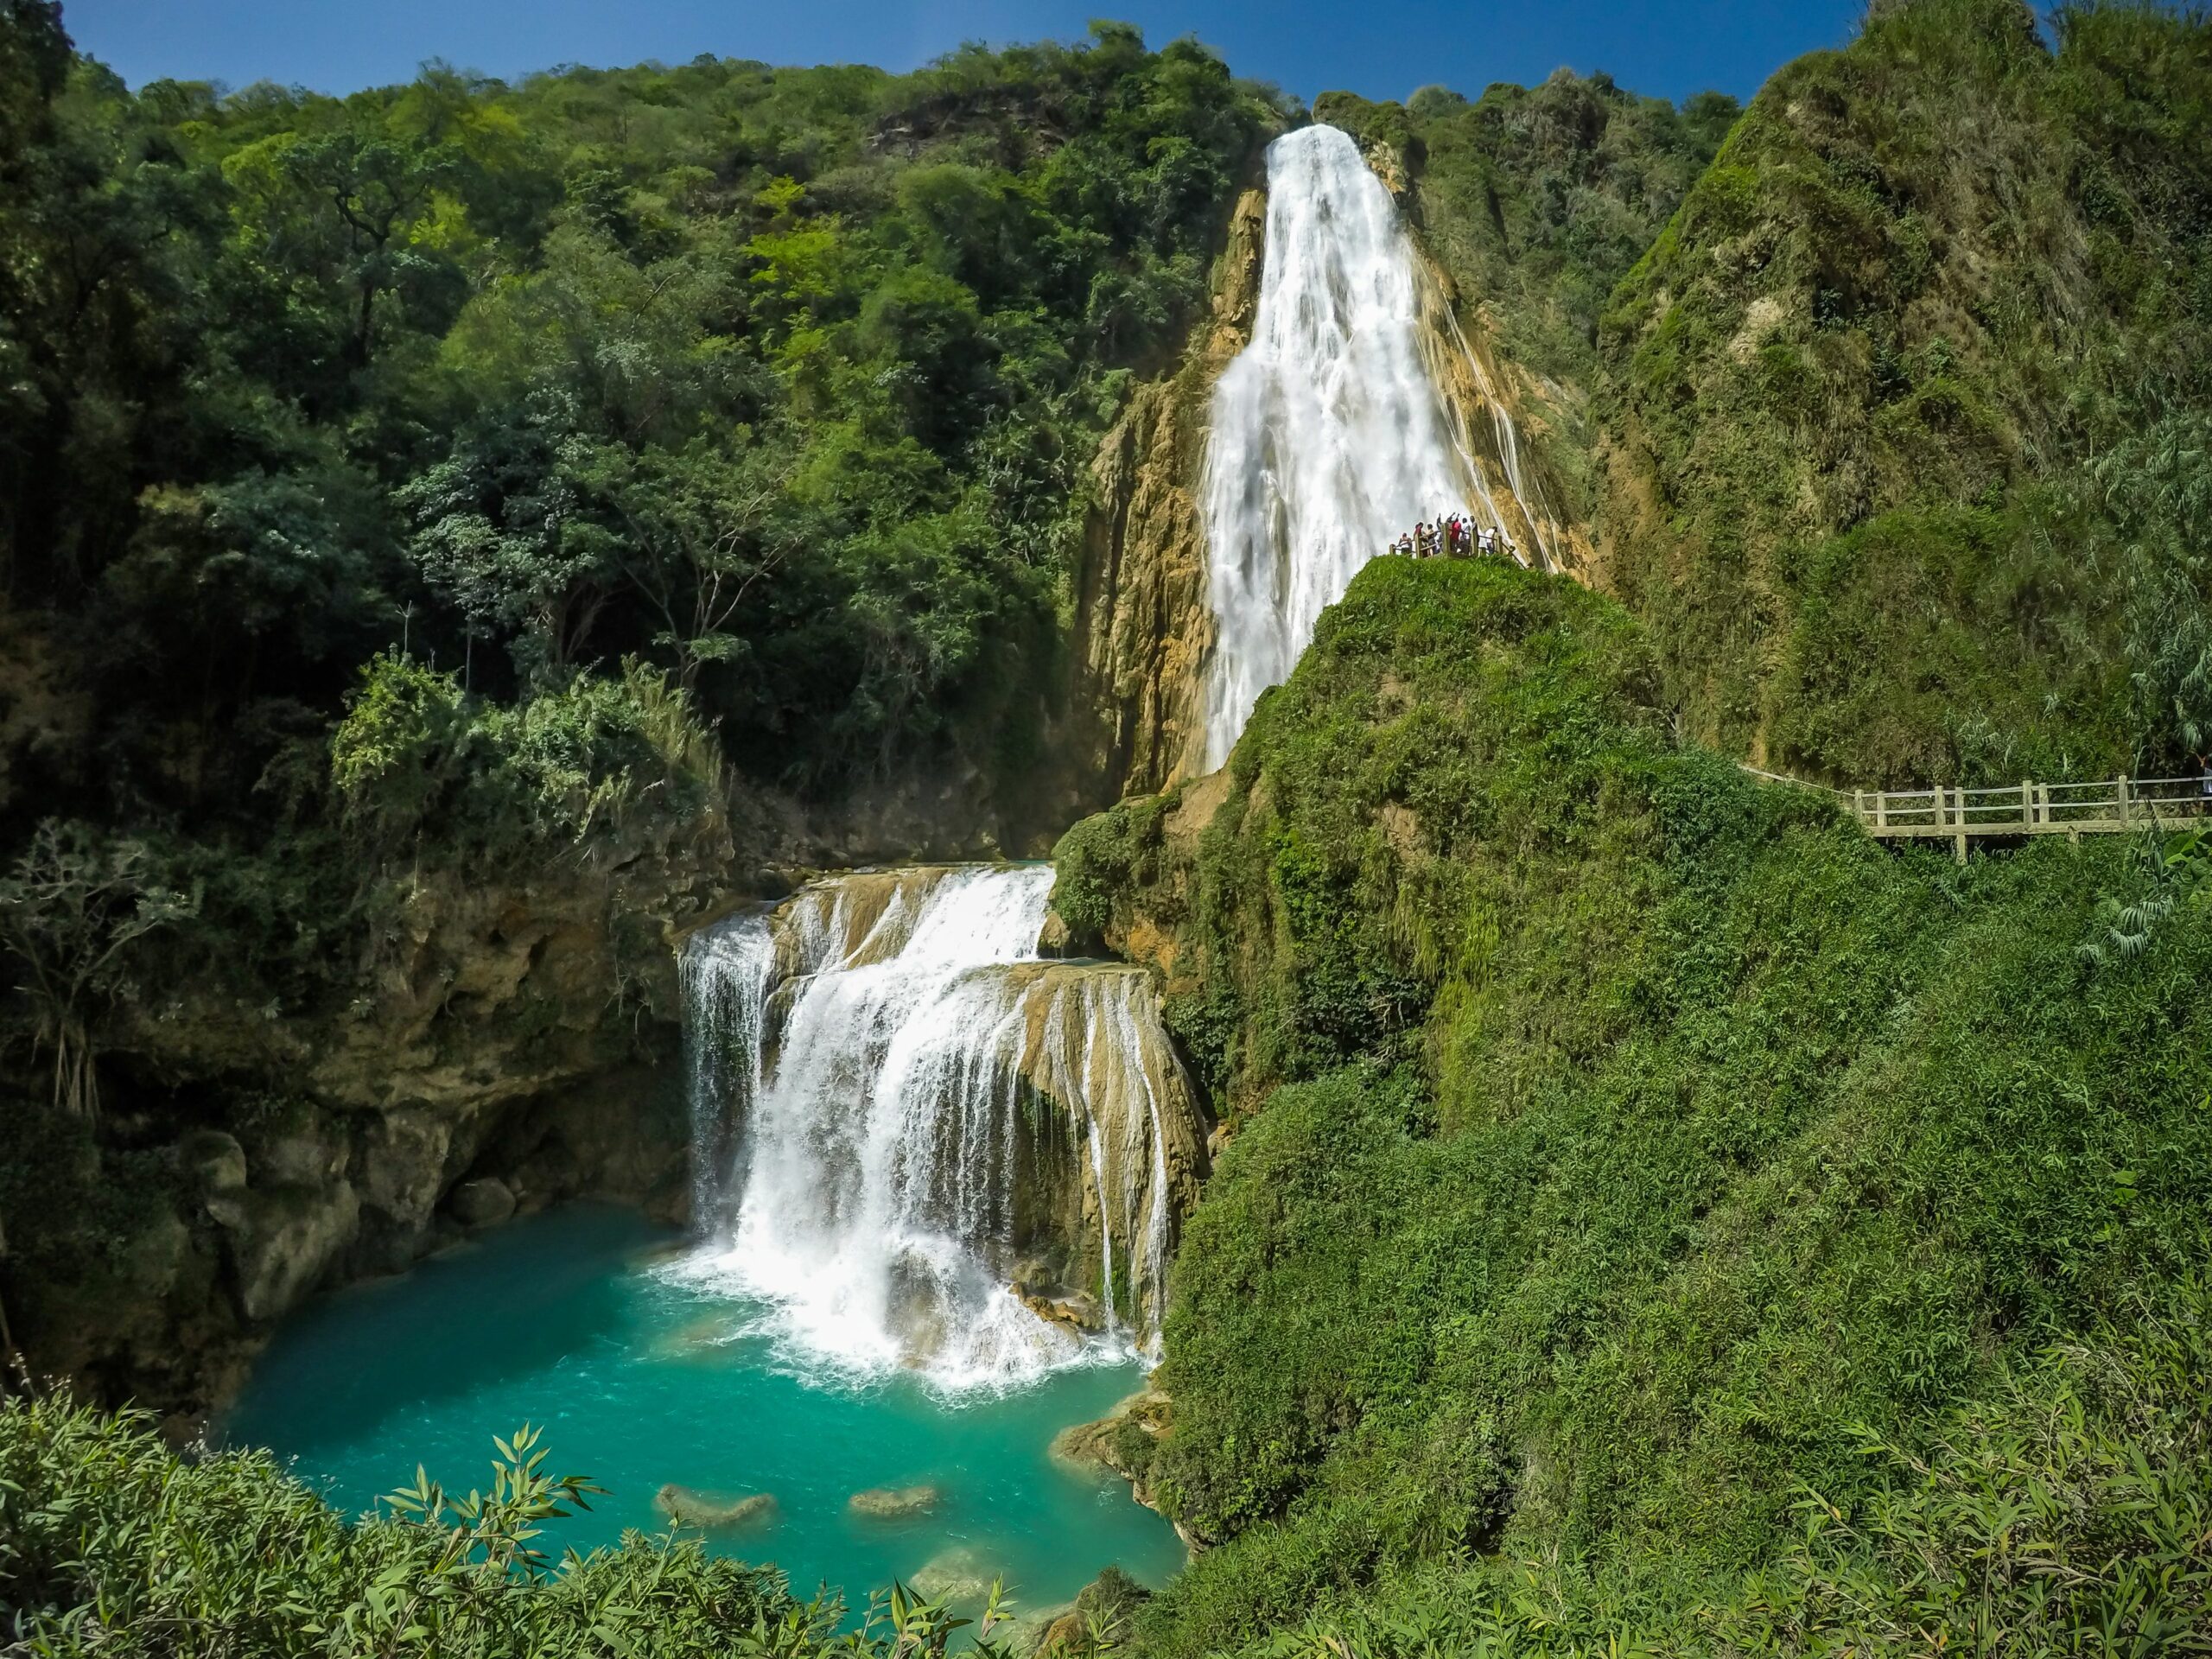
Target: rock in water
896, 1503
1077, 1310
485, 1203
1106, 1447
958, 1576
712, 1510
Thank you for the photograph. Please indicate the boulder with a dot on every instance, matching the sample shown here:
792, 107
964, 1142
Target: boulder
283, 1240
1030, 1632
304, 1147
213, 1160
896, 1503
959, 1576
1077, 1310
713, 1510
483, 1203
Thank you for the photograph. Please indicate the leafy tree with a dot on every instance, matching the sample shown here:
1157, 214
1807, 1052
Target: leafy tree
70, 910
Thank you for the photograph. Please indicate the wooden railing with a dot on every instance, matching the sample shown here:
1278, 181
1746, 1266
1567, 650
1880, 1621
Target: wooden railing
2112, 807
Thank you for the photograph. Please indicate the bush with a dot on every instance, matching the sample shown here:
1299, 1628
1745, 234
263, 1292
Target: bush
416, 766
111, 1544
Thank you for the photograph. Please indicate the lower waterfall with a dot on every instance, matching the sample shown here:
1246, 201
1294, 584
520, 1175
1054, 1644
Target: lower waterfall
920, 1144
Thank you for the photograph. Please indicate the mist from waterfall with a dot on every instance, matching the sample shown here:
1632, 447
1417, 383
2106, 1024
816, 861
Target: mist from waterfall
887, 1066
1327, 438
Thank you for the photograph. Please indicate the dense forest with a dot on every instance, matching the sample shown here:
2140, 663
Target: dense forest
454, 536
779, 381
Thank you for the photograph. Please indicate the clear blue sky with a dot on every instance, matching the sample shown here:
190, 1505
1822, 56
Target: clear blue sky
1383, 49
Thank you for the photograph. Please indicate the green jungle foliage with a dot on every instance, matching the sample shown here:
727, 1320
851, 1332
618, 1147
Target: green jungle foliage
1626, 1147
1904, 406
476, 477
109, 1544
780, 379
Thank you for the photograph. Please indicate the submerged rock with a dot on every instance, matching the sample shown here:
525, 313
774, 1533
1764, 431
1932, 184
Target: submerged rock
701, 1337
712, 1510
960, 1576
485, 1203
895, 1502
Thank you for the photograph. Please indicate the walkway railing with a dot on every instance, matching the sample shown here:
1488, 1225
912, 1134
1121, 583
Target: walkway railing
2114, 806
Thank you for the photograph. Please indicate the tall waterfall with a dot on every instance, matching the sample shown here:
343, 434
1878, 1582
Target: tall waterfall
1327, 437
902, 1109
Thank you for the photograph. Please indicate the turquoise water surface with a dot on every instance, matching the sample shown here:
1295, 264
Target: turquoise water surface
640, 1379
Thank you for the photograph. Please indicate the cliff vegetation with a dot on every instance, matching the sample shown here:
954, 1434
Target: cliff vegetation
1638, 1173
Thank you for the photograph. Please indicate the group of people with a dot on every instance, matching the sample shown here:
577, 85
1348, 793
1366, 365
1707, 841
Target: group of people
1452, 538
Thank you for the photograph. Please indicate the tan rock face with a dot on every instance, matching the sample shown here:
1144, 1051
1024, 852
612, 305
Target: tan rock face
1498, 413
507, 1035
1143, 623
284, 1241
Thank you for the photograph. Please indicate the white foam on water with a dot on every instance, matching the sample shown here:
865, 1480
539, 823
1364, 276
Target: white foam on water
869, 1188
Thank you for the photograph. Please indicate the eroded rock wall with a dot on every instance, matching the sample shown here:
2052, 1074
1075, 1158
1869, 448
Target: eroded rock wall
507, 1046
1142, 622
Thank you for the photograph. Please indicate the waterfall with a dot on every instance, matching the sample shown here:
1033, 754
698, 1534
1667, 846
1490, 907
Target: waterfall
726, 973
1327, 438
904, 1110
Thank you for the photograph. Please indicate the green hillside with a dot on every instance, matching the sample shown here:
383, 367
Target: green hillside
1623, 1147
1905, 410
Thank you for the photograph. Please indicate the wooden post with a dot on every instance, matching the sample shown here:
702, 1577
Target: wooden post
1858, 805
2027, 804
1959, 820
2119, 787
1881, 809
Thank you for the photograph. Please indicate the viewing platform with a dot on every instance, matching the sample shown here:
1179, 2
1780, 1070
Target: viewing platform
2109, 806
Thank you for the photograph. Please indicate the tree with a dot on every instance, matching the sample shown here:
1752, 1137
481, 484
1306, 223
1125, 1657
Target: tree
503, 528
700, 539
69, 912
378, 188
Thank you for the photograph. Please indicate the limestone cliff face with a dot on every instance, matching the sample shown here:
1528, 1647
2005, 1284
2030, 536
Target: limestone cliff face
504, 1051
1142, 622
1122, 1152
1499, 411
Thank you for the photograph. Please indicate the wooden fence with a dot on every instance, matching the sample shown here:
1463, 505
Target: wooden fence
2112, 807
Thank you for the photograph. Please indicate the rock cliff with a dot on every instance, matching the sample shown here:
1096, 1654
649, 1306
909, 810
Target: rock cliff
1142, 624
504, 1051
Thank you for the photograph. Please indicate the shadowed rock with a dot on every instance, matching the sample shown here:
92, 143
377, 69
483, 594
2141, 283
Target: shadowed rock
713, 1510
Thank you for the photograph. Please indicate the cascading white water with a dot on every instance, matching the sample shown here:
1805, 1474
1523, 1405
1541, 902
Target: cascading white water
1327, 437
725, 971
913, 1066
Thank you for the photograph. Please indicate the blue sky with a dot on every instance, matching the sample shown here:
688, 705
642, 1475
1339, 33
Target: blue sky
1384, 49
